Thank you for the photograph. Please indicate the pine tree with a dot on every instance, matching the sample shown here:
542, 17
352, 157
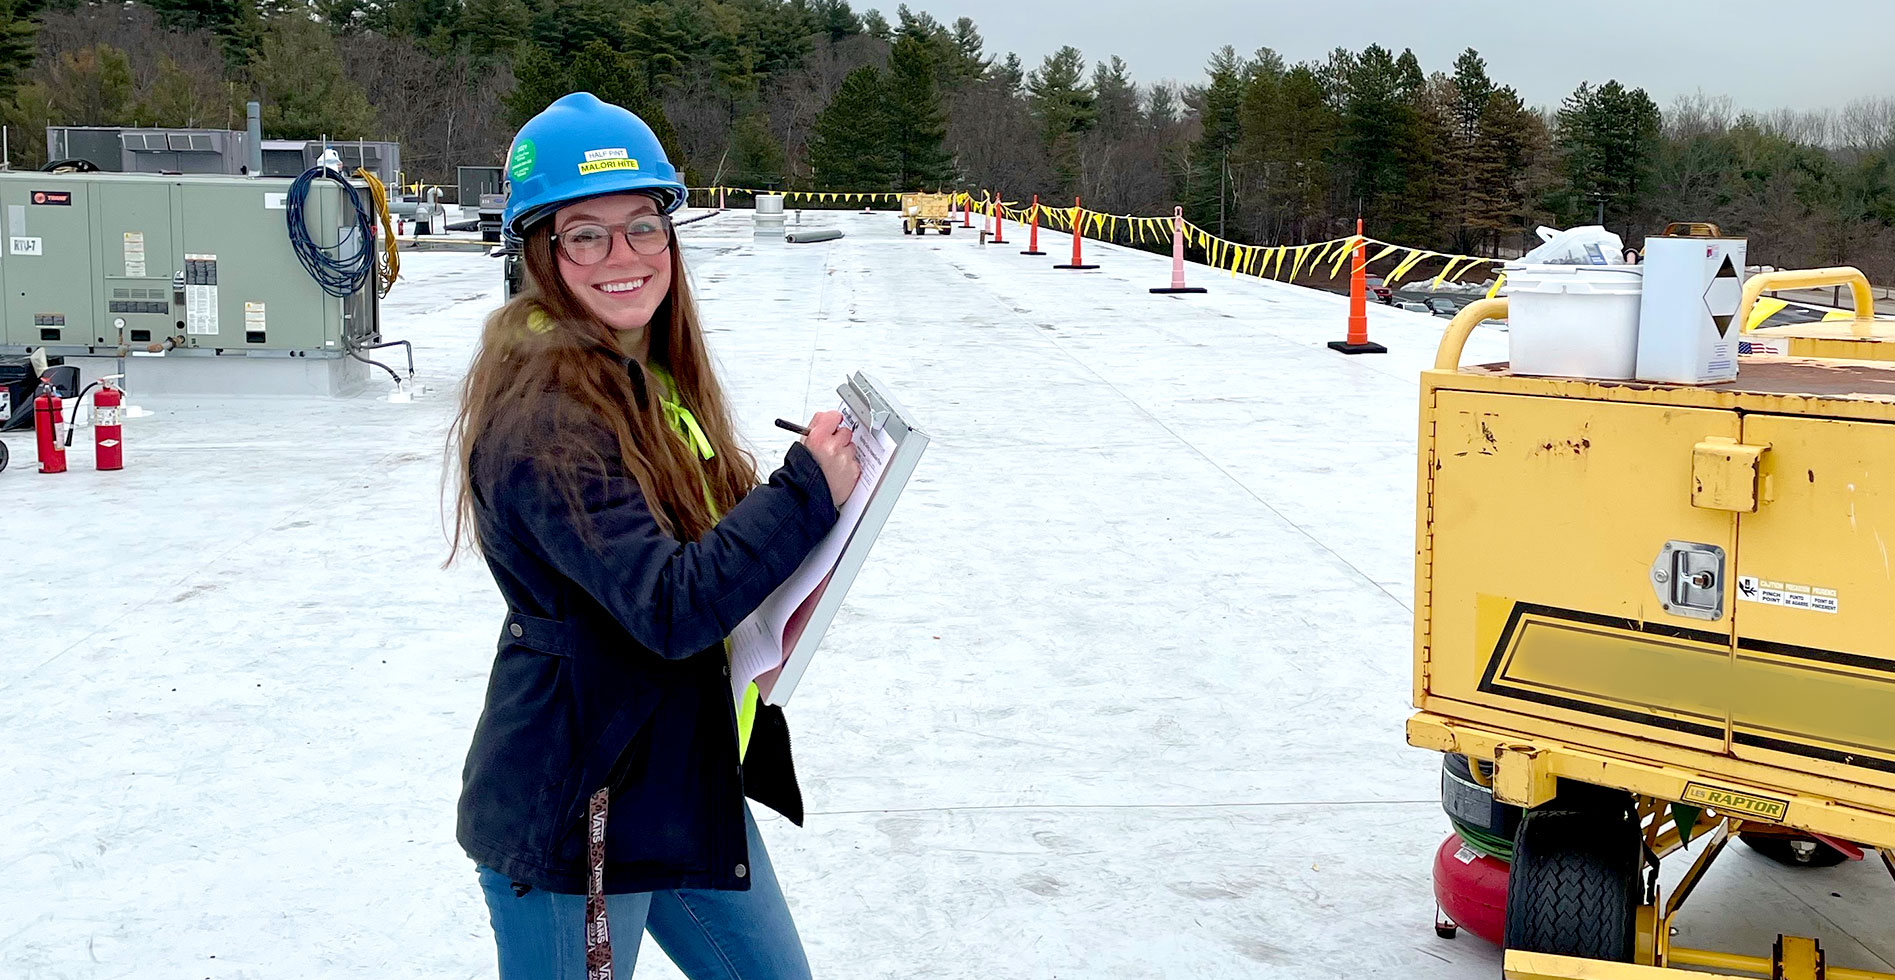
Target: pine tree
971, 63
1463, 171
756, 156
837, 20
305, 92
540, 79
1011, 74
492, 28
18, 28
1307, 128
1383, 143
1608, 137
1219, 107
1064, 105
1116, 99
614, 77
851, 147
1161, 106
235, 24
876, 26
1504, 161
919, 122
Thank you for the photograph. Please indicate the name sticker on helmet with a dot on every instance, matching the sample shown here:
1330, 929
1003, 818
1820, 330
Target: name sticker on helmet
613, 158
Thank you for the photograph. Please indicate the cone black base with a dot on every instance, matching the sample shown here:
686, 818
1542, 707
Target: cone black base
1179, 289
1024, 252
1075, 267
1369, 347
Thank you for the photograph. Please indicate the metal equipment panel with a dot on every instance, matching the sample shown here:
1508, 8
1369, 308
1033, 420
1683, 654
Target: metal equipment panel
1815, 657
138, 256
243, 277
1537, 606
47, 263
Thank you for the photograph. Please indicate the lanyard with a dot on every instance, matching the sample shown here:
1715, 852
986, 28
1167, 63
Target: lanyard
598, 930
598, 927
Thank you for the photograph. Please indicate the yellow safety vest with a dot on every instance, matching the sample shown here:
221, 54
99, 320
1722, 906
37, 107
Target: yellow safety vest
693, 435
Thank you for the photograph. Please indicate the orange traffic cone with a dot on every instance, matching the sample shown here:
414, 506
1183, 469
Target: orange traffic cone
1033, 239
1358, 342
1079, 235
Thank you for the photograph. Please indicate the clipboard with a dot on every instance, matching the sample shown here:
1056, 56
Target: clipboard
873, 406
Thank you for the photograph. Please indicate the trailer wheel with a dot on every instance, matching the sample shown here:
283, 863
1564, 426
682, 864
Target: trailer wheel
947, 229
3, 456
1574, 888
906, 229
1795, 852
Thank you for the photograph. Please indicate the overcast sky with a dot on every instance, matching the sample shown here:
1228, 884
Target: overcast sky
1764, 54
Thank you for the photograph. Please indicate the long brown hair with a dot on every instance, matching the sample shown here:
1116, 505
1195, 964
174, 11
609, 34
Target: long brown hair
538, 383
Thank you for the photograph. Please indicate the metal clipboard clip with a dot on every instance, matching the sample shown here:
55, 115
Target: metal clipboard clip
860, 394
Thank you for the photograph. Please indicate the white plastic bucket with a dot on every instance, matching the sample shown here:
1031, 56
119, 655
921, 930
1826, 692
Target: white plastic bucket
1574, 321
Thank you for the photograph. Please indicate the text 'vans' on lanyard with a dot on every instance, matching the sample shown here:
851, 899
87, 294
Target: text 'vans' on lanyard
598, 926
598, 930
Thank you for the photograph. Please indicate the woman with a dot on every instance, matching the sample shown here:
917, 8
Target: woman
602, 481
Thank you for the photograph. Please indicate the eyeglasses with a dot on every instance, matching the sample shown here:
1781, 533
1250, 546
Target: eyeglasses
647, 234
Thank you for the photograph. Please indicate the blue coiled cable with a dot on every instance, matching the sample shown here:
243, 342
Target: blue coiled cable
341, 277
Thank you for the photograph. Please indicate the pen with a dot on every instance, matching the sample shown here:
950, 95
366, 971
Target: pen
793, 427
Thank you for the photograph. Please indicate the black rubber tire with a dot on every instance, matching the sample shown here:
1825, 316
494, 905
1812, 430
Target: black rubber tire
1778, 849
1458, 799
907, 229
1574, 888
4, 456
947, 230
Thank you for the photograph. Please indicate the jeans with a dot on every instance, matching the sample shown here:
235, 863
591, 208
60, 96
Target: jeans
709, 934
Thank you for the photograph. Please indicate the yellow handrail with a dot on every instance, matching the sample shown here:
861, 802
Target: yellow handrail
1858, 285
1447, 357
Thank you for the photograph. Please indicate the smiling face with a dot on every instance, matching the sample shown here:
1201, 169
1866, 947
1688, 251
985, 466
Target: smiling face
625, 289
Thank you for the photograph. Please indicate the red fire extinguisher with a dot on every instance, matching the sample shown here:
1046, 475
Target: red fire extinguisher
106, 424
50, 428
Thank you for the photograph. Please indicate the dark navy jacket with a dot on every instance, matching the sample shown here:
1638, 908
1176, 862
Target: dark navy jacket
612, 671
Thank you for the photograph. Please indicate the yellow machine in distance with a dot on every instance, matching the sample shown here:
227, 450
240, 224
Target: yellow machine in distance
920, 212
1649, 614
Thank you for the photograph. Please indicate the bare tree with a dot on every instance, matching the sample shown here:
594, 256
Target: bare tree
1867, 124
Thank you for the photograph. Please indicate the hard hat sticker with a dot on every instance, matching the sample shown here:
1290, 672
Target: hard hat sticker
613, 158
520, 162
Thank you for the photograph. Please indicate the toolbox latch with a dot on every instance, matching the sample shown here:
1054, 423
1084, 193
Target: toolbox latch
1689, 579
1724, 475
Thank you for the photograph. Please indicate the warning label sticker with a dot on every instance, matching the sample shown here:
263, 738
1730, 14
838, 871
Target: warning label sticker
1788, 594
135, 254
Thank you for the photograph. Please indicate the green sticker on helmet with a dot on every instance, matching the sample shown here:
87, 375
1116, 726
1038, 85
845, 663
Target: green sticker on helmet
520, 163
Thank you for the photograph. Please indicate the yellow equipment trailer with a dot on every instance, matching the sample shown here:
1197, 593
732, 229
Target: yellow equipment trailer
920, 212
1653, 613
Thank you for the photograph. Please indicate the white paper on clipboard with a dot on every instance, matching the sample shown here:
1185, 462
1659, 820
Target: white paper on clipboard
760, 644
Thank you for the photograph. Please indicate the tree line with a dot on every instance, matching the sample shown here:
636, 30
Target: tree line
812, 94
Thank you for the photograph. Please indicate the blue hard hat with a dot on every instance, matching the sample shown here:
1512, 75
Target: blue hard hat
582, 147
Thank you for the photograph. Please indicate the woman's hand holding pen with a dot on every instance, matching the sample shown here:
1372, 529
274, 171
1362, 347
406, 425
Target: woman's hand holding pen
831, 443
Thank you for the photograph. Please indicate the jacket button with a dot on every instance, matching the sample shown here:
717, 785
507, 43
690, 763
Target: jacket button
726, 670
741, 871
516, 630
